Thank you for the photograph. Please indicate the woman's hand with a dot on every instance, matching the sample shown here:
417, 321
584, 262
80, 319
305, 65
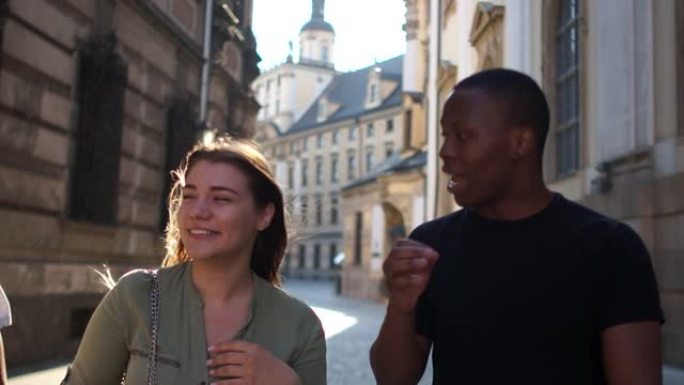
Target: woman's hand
243, 363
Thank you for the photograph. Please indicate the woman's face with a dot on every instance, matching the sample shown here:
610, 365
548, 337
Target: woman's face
218, 216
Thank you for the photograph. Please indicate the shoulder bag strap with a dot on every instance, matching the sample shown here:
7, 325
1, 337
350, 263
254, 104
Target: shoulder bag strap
154, 329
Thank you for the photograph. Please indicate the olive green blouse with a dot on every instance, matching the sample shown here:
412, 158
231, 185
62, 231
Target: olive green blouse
116, 340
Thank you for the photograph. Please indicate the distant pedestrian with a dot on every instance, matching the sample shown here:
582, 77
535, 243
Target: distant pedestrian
521, 286
220, 316
5, 320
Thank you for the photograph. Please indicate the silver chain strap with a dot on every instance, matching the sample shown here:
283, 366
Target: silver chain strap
154, 329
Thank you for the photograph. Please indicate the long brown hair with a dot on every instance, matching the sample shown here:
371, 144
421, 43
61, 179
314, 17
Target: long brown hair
271, 242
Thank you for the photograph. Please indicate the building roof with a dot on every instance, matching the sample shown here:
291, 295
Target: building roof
348, 90
393, 164
317, 22
317, 25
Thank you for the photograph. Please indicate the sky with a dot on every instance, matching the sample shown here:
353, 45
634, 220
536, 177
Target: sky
365, 30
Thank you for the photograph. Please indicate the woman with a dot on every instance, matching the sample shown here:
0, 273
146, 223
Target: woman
222, 318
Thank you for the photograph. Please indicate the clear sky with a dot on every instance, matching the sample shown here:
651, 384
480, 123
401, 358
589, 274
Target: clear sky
365, 30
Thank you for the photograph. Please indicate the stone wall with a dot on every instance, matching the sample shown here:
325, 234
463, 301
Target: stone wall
654, 207
46, 258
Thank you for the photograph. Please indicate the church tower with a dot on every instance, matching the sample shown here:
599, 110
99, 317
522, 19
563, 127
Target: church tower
317, 39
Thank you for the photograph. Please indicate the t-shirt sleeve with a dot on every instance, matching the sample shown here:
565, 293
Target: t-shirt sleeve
423, 313
627, 286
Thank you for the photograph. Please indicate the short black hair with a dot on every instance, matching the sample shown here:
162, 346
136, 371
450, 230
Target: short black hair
525, 100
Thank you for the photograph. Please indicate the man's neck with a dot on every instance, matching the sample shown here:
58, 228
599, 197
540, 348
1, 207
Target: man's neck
517, 205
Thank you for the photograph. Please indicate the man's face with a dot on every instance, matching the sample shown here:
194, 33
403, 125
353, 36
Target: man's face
476, 149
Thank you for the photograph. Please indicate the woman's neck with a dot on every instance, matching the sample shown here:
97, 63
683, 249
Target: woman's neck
220, 281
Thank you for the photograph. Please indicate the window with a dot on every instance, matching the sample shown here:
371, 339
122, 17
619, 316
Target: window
325, 53
389, 149
302, 256
319, 140
351, 165
305, 172
181, 126
333, 253
335, 136
277, 107
408, 117
304, 208
334, 169
319, 170
290, 176
293, 147
333, 210
358, 227
305, 144
268, 85
352, 132
567, 89
389, 127
370, 130
317, 256
370, 157
319, 210
95, 173
287, 261
322, 110
278, 81
373, 93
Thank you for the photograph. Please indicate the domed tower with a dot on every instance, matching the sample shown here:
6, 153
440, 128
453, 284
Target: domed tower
317, 39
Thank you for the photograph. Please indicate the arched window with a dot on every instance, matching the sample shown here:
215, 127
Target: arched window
325, 54
567, 88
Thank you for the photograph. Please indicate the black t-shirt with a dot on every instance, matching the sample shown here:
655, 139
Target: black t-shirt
525, 301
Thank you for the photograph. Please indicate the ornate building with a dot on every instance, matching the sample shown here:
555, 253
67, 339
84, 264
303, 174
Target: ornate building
323, 131
348, 131
99, 99
287, 91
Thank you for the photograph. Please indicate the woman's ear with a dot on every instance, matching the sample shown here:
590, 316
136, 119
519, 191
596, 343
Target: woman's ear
265, 216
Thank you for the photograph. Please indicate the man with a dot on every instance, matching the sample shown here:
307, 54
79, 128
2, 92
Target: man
5, 320
521, 285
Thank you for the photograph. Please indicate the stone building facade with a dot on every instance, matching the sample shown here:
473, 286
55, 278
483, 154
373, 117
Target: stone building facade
354, 125
98, 102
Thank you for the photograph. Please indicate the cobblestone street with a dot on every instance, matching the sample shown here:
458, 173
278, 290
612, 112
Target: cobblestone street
351, 326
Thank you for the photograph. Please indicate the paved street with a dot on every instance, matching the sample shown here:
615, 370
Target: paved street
350, 325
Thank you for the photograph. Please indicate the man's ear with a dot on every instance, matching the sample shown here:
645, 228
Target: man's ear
523, 142
265, 216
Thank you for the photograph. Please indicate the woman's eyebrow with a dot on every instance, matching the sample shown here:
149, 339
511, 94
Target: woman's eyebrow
223, 188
